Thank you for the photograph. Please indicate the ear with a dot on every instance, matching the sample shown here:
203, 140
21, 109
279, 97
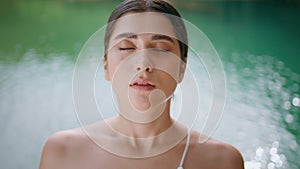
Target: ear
181, 71
105, 68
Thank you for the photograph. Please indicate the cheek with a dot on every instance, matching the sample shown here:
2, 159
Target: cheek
113, 60
112, 66
116, 60
168, 83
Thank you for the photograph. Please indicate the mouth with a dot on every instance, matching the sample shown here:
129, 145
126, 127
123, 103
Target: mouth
144, 85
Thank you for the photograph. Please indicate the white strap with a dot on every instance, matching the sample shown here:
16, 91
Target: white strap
185, 151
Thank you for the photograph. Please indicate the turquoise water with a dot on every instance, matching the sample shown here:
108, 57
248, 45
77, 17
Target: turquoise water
257, 42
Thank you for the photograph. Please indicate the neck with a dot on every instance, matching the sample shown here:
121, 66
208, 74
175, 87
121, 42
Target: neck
144, 130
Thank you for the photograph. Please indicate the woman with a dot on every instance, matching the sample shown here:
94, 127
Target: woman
145, 59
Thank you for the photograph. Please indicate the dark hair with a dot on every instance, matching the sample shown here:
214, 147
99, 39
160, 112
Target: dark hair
151, 6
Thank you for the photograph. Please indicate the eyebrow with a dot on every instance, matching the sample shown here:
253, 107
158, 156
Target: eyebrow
162, 37
154, 37
126, 35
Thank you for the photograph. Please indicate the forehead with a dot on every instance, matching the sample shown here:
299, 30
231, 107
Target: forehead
144, 23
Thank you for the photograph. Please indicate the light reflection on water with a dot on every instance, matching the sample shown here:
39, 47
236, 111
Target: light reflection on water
261, 112
261, 116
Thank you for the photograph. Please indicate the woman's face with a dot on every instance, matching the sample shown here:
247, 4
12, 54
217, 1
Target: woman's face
143, 56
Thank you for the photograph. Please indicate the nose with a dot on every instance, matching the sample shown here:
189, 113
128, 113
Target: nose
144, 64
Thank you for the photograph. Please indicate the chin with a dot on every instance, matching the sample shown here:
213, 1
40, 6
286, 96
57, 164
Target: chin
139, 101
141, 106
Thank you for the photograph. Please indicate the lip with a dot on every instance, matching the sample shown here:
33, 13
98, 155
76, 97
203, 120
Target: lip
145, 85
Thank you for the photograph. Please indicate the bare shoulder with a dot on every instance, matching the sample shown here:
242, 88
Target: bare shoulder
66, 139
226, 155
60, 146
214, 153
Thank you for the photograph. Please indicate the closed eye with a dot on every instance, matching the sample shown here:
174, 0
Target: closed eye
126, 48
161, 50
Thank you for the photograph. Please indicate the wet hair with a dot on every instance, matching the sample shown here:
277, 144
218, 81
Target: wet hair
150, 6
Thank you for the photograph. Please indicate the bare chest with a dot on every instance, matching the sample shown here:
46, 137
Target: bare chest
100, 159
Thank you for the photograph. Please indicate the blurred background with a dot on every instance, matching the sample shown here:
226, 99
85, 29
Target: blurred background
258, 42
